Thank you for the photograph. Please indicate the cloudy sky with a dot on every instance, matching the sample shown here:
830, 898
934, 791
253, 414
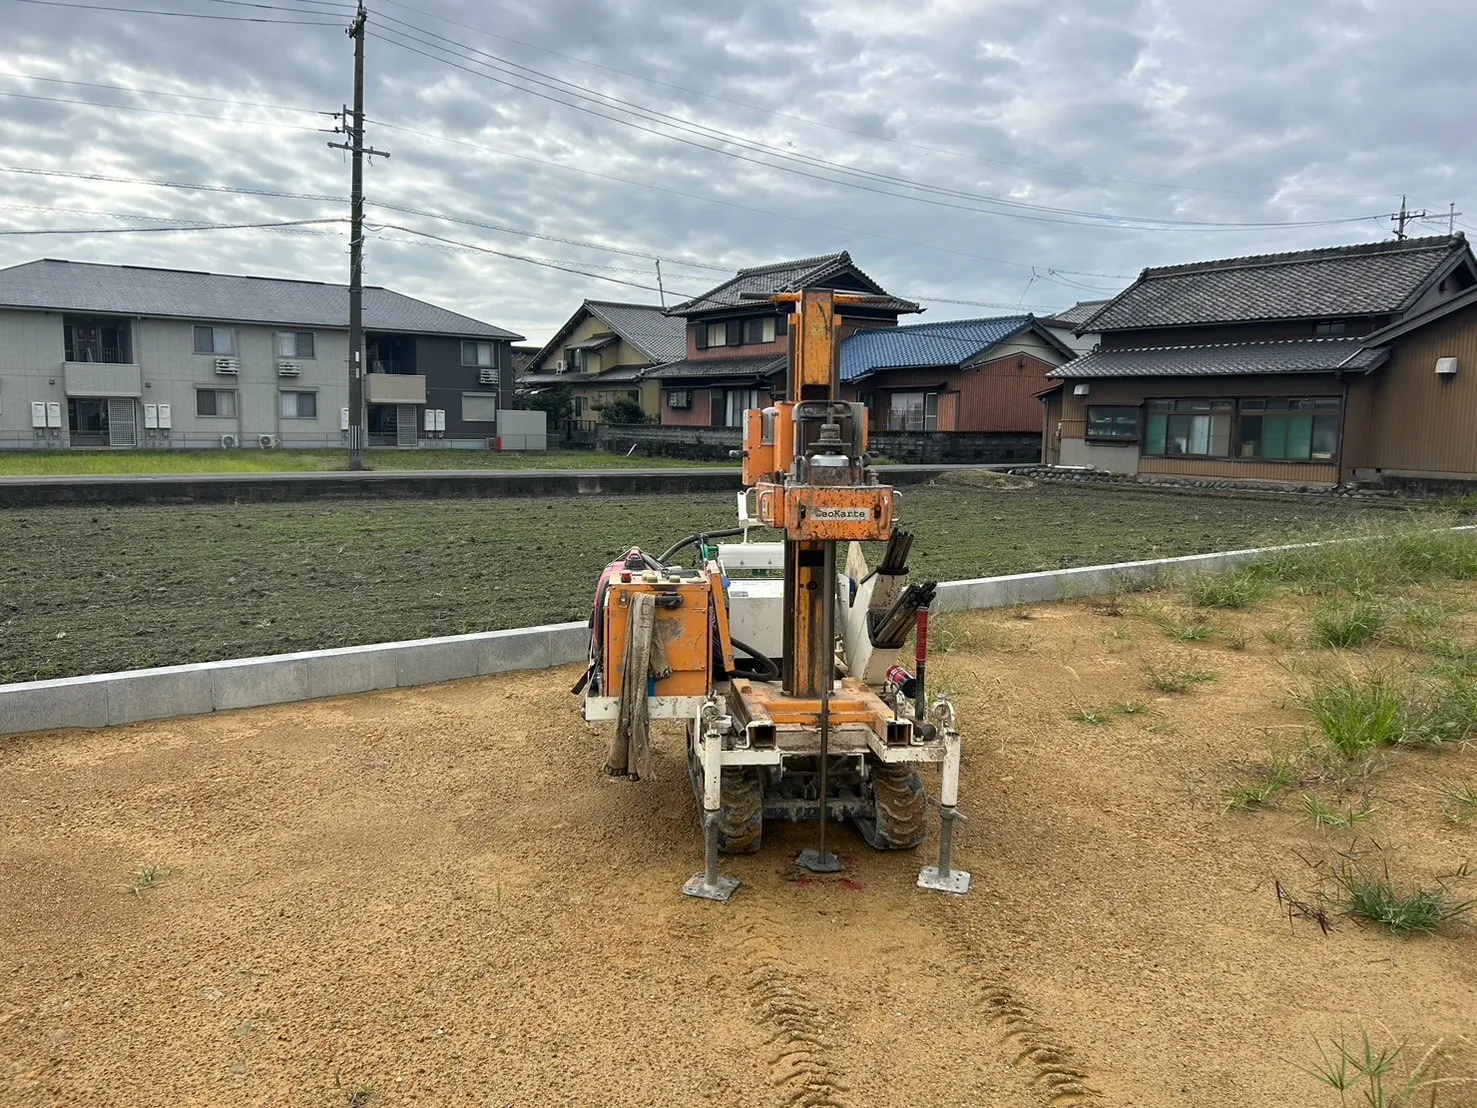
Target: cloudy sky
972, 154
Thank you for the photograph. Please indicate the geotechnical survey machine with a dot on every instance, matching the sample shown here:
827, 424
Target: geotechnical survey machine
750, 661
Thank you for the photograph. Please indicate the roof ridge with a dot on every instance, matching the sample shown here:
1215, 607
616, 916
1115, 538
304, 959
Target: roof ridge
626, 304
809, 263
1311, 254
940, 323
1308, 341
194, 272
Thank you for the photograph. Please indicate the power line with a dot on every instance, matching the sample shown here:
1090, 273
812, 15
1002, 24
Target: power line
182, 15
156, 230
861, 134
161, 111
160, 92
1013, 209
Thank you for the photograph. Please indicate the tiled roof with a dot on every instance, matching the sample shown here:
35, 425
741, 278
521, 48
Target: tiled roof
785, 277
1226, 359
645, 326
949, 343
1366, 279
721, 367
554, 379
1073, 317
184, 294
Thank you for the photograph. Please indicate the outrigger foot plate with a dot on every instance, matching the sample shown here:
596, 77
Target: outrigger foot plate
957, 881
720, 888
813, 860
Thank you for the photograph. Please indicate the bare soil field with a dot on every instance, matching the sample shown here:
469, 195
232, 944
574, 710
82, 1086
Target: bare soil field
86, 589
432, 897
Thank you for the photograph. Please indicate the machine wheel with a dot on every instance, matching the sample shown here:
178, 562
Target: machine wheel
901, 806
740, 803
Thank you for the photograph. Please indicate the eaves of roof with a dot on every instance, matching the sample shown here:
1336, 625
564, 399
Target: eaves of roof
1244, 359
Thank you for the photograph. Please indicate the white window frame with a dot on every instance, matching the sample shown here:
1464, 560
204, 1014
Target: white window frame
922, 416
733, 414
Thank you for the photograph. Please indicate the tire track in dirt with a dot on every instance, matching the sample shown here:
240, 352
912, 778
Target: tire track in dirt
794, 1048
1031, 1046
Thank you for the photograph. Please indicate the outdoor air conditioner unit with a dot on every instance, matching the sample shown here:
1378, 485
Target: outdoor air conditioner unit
266, 442
1446, 367
228, 365
487, 377
288, 369
229, 442
559, 366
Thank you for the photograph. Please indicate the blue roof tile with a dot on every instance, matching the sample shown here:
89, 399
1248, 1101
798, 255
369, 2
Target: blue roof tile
949, 343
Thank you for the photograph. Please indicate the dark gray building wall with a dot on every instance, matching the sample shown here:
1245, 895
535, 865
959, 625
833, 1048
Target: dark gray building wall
440, 360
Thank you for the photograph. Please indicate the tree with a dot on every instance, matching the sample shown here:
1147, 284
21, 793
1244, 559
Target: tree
622, 410
555, 401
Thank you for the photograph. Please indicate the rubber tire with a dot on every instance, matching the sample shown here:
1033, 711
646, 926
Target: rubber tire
901, 806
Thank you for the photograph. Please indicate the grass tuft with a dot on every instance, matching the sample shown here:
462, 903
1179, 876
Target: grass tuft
1370, 1073
1461, 805
1236, 591
1170, 680
1348, 626
1326, 815
1280, 772
1357, 715
148, 877
1372, 894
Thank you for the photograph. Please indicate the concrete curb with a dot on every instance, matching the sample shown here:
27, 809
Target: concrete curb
133, 696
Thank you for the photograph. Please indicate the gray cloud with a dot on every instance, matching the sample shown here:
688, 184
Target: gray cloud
1252, 112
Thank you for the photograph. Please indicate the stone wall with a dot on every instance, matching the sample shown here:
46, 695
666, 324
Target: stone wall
956, 447
704, 443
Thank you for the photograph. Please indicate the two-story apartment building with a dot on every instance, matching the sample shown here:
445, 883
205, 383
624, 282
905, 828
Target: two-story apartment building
1315, 366
737, 348
127, 356
602, 353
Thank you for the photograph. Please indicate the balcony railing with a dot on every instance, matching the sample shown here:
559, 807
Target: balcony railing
102, 379
394, 388
114, 355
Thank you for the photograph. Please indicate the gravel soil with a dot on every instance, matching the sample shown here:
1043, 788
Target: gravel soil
433, 897
90, 590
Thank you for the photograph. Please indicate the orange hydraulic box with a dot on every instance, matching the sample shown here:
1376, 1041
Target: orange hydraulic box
683, 609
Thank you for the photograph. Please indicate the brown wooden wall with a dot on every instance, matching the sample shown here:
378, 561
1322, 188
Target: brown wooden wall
1242, 469
995, 396
1422, 424
699, 415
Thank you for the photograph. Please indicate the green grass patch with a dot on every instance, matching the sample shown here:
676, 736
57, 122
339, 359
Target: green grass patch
1381, 1077
1169, 679
1238, 590
149, 877
1370, 893
1325, 815
1358, 715
1377, 560
1347, 626
1265, 783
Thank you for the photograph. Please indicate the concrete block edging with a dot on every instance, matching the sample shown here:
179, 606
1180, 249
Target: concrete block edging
167, 692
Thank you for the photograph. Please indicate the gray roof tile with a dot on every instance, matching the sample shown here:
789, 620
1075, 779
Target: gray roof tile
645, 326
721, 367
1225, 359
784, 277
183, 294
1074, 316
1366, 279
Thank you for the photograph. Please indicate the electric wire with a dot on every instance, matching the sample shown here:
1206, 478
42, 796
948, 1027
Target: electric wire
935, 195
182, 15
161, 92
148, 230
163, 111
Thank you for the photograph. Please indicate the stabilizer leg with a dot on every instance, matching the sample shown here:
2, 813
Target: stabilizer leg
710, 884
944, 877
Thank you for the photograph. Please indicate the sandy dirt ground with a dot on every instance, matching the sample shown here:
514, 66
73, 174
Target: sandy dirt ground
432, 897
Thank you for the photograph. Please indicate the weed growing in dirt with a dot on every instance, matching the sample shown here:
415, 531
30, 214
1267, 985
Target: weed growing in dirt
1326, 815
1091, 717
1237, 639
1369, 1073
1236, 590
1132, 708
147, 877
1170, 680
1280, 772
1372, 894
1377, 559
1357, 715
361, 1096
1348, 626
1461, 805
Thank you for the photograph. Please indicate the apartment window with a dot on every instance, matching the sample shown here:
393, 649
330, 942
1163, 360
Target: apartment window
737, 401
299, 405
1120, 424
1299, 430
913, 411
215, 402
679, 398
1197, 428
759, 330
477, 353
294, 344
215, 340
1329, 327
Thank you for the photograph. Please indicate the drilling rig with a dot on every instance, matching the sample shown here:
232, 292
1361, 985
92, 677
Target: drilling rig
779, 727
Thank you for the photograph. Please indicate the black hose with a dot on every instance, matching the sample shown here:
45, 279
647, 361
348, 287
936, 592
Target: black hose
765, 667
700, 537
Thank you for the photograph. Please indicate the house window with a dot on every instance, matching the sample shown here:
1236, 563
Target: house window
737, 401
479, 407
717, 334
215, 402
1197, 428
759, 330
1289, 430
294, 344
679, 398
299, 405
913, 411
477, 353
215, 340
1329, 327
1120, 424
581, 406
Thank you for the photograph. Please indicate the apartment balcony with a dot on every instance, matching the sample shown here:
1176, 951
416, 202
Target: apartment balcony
394, 388
103, 378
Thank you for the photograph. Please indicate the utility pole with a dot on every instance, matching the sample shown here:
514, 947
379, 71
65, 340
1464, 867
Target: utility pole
1404, 216
661, 292
355, 146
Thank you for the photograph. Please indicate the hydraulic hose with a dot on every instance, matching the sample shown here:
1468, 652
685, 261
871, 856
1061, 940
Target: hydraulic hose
764, 668
701, 536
